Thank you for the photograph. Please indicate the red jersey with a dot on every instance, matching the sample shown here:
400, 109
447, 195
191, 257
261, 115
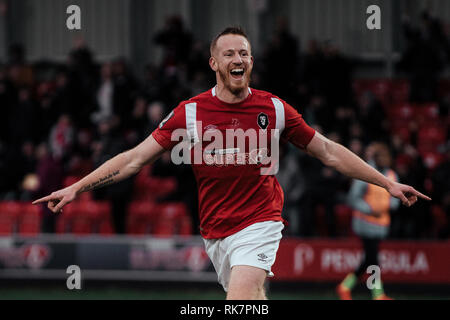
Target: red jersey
233, 196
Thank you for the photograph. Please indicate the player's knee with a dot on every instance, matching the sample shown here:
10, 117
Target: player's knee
243, 292
246, 283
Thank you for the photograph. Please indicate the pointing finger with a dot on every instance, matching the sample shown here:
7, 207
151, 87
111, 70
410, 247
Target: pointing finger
44, 199
417, 193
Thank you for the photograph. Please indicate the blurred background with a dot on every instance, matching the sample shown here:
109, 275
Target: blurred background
72, 99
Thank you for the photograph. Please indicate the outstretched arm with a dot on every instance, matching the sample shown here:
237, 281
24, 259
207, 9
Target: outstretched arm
114, 170
343, 160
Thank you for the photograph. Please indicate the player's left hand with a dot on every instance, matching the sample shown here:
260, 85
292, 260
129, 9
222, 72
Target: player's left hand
407, 194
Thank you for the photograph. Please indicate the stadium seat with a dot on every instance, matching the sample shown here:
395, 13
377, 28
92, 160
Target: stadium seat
380, 88
400, 91
432, 159
81, 222
170, 217
430, 138
401, 130
29, 220
98, 214
185, 226
401, 112
141, 217
9, 213
427, 114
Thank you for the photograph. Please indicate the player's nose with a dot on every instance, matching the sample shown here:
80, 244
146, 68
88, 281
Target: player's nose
237, 59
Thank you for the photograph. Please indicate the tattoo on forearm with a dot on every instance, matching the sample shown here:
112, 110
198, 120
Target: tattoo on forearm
107, 180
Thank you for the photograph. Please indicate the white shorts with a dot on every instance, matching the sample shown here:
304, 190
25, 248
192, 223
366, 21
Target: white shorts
255, 246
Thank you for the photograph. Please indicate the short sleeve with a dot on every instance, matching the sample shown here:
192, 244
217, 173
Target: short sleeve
296, 130
176, 119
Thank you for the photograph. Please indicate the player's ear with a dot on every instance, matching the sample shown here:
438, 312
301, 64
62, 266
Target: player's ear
213, 64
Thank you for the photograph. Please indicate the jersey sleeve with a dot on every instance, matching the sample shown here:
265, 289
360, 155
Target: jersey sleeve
296, 130
176, 119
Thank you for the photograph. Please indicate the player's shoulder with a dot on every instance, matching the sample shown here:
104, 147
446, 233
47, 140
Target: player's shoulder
207, 95
266, 95
204, 96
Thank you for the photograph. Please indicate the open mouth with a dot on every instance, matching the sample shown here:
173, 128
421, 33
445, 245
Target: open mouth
237, 73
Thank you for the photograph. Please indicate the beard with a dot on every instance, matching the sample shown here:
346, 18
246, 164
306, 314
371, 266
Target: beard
235, 89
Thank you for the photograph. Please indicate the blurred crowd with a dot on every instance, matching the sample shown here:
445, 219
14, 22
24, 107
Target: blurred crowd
66, 119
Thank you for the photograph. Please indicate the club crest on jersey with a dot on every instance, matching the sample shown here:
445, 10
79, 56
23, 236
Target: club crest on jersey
170, 115
263, 121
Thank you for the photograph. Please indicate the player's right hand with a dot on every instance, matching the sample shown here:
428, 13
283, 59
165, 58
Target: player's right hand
58, 199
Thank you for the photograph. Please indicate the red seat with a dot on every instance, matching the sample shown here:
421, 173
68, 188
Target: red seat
402, 131
185, 228
429, 138
81, 220
9, 213
141, 217
30, 220
432, 159
401, 112
427, 111
400, 91
75, 219
380, 88
170, 218
99, 215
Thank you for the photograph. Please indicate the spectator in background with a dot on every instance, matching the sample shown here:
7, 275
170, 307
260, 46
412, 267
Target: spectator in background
125, 88
187, 187
372, 118
422, 61
50, 174
138, 122
313, 70
441, 190
151, 85
18, 162
104, 95
6, 103
337, 76
290, 178
82, 66
282, 61
176, 41
155, 114
198, 68
415, 223
320, 180
371, 219
433, 30
21, 122
82, 78
62, 138
20, 72
110, 142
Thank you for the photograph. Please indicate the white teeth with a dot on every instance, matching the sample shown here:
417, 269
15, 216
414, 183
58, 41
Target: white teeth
237, 70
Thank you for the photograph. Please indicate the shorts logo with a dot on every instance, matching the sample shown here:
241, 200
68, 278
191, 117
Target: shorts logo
262, 257
263, 121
